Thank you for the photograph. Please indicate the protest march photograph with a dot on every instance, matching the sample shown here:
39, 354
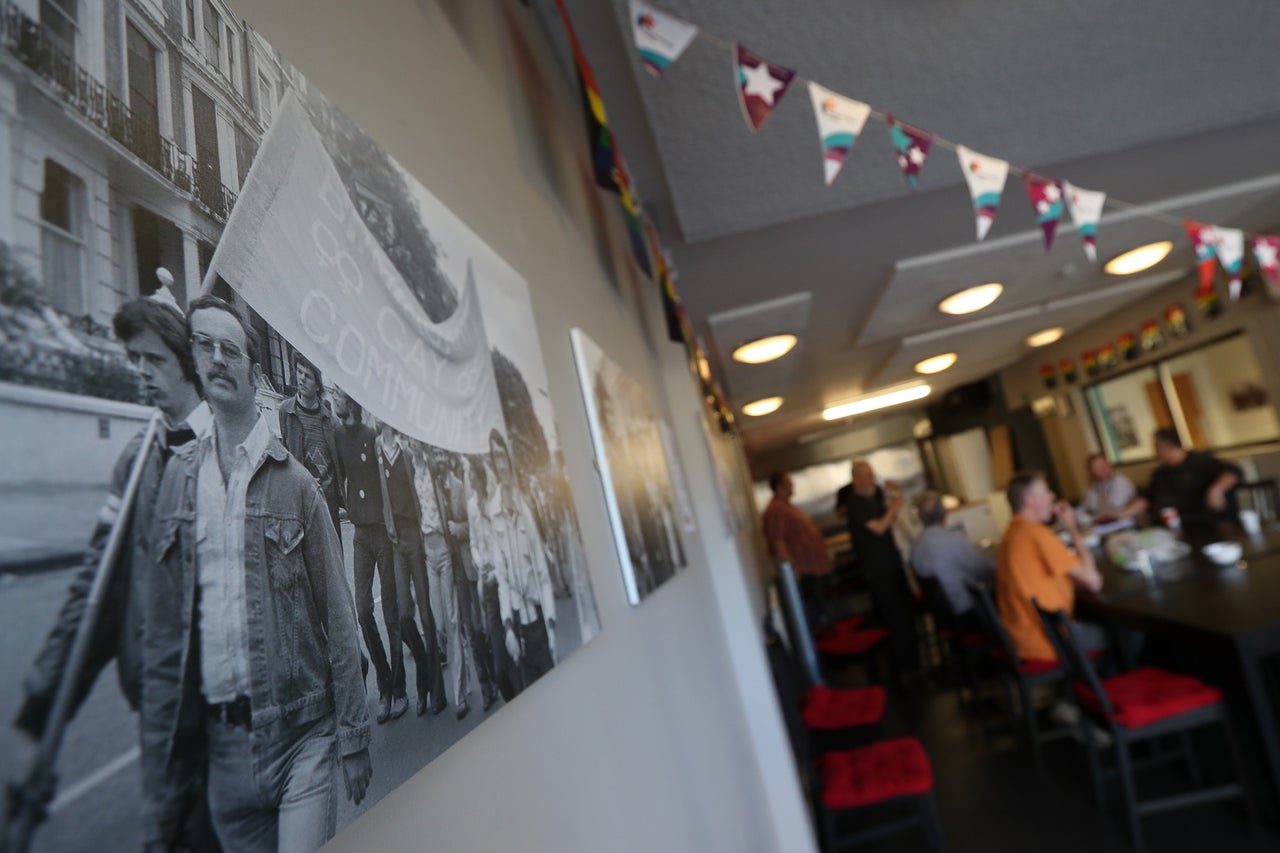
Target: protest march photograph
640, 475
325, 529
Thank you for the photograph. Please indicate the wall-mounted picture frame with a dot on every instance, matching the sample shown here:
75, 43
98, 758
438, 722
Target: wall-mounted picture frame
637, 475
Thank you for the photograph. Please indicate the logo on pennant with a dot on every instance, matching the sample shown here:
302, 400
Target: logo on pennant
760, 86
1201, 236
1046, 199
1228, 245
660, 37
1267, 250
1085, 207
985, 176
840, 120
912, 146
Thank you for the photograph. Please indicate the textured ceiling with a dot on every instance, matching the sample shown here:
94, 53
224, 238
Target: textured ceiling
1153, 102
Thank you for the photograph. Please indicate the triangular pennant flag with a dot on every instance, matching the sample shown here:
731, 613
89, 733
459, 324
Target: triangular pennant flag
1046, 199
1228, 244
670, 301
1267, 250
1201, 236
840, 120
599, 136
1086, 209
660, 36
985, 176
760, 85
912, 145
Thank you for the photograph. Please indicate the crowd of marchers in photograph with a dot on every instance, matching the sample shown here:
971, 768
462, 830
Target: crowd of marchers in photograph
225, 588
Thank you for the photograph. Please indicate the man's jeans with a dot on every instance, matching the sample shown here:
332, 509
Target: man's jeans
411, 582
440, 578
273, 794
506, 672
372, 548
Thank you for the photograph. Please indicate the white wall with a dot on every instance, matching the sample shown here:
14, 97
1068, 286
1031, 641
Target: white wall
663, 733
55, 439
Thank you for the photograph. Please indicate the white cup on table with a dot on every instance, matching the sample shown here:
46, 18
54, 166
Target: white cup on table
1250, 522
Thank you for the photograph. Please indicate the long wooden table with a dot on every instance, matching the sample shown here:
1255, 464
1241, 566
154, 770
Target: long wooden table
1233, 611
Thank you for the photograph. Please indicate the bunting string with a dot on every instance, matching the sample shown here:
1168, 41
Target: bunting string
934, 140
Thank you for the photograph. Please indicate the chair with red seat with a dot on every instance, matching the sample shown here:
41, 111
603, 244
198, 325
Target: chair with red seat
1142, 705
845, 640
963, 650
1025, 675
884, 787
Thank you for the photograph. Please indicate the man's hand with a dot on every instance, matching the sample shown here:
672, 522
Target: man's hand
1067, 515
513, 645
1216, 498
357, 770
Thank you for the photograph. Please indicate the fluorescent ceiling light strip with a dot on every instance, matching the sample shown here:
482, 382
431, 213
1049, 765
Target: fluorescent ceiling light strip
876, 401
1242, 188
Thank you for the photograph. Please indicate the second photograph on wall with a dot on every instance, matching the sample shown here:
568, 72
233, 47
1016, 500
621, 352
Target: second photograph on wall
637, 476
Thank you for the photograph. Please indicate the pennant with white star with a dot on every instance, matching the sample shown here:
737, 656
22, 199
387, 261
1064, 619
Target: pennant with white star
912, 145
985, 176
1046, 200
760, 85
1085, 207
1228, 245
840, 120
1267, 250
660, 37
1201, 237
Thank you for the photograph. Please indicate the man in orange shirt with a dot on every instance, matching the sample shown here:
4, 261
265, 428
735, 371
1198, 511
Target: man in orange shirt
1033, 563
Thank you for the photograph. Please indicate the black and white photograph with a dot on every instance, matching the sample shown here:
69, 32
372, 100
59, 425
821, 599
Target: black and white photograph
283, 504
638, 477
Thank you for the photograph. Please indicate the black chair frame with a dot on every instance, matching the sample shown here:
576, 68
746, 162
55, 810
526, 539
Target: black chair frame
920, 810
1062, 634
1016, 678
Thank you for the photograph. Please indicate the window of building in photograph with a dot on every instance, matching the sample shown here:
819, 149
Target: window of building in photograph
62, 237
1214, 396
266, 99
190, 22
61, 20
212, 34
231, 57
246, 150
144, 100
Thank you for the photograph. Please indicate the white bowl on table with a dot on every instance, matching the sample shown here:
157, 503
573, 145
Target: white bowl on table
1223, 553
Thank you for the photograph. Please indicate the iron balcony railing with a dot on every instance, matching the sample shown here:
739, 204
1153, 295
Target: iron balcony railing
46, 54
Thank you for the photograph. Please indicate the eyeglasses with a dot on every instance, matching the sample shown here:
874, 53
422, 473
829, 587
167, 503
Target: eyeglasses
206, 346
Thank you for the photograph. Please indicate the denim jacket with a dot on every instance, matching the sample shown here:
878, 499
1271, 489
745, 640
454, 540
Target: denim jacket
304, 658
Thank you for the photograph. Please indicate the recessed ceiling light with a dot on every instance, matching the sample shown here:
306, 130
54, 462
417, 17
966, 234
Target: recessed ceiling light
762, 407
973, 299
1139, 259
937, 364
764, 349
1044, 337
876, 401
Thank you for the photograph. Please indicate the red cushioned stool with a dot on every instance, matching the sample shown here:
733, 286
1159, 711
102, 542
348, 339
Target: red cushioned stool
882, 787
1137, 706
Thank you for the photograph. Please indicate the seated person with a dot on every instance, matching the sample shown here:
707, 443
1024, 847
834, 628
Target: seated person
1199, 485
1033, 563
1111, 497
948, 555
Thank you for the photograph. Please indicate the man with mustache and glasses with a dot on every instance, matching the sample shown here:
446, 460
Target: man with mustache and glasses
153, 332
251, 658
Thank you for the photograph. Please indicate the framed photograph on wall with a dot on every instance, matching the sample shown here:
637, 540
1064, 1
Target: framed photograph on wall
270, 277
634, 468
